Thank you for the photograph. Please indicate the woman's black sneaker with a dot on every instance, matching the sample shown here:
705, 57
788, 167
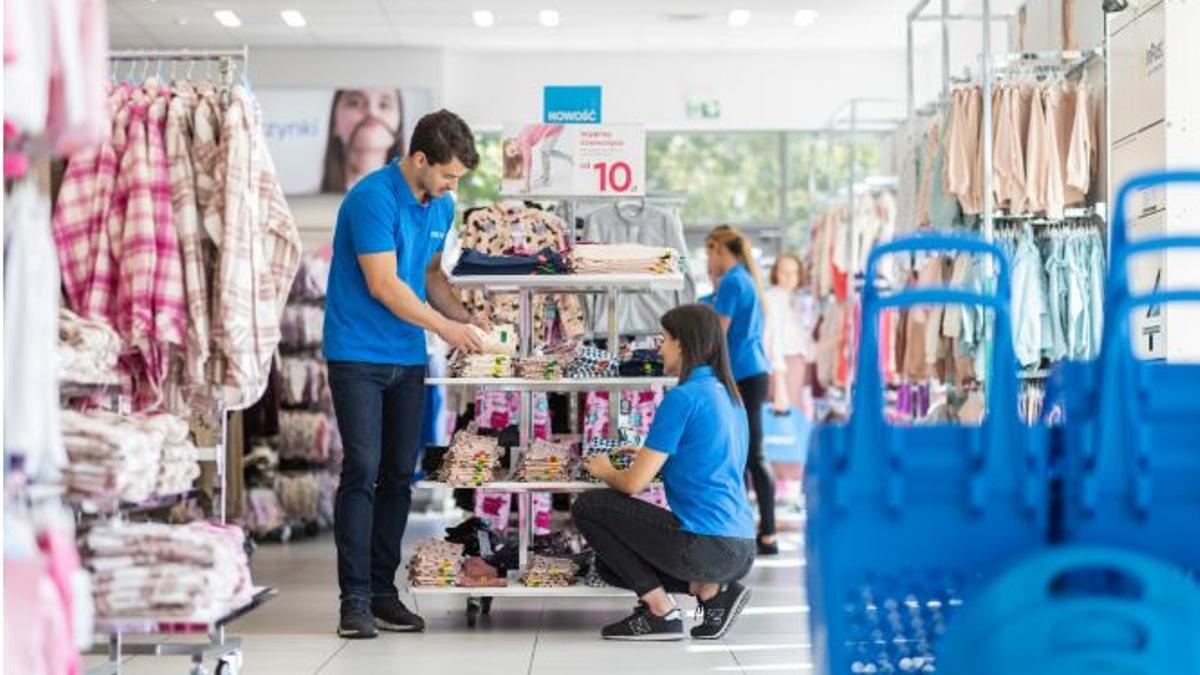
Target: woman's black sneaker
391, 615
720, 611
356, 622
644, 626
767, 549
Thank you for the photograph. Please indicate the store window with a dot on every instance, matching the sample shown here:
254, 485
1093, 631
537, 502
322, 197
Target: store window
727, 177
482, 186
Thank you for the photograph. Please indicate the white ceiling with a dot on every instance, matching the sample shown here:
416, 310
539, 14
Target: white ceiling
585, 24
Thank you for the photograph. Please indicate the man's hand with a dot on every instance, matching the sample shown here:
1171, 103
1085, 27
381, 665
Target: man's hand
482, 321
600, 466
460, 336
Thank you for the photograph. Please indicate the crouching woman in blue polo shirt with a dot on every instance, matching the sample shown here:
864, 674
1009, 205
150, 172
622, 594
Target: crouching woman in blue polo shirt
705, 544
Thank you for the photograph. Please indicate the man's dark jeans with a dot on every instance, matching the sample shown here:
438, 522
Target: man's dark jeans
379, 414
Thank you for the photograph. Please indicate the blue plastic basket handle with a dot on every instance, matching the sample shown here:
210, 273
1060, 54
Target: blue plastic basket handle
870, 428
1121, 430
950, 243
1118, 275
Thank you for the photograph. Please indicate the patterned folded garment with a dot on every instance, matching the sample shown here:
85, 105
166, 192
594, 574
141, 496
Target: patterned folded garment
540, 368
623, 258
544, 571
642, 363
548, 461
501, 339
435, 563
590, 362
481, 365
471, 460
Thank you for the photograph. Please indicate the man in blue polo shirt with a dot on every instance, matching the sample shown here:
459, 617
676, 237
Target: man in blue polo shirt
386, 288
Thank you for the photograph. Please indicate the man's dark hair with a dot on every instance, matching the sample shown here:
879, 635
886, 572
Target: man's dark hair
443, 137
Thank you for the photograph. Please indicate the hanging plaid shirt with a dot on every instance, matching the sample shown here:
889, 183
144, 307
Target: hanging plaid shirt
81, 235
186, 217
260, 253
169, 300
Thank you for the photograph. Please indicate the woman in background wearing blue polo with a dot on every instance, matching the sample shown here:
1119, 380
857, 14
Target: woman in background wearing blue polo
705, 543
739, 300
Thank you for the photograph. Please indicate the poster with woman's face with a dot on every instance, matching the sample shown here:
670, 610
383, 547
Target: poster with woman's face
324, 141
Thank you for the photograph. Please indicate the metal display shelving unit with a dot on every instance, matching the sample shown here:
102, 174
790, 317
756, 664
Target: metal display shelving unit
610, 286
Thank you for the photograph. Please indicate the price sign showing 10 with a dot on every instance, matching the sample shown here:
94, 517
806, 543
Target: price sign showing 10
616, 176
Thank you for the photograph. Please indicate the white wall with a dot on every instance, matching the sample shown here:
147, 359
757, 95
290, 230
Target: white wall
756, 90
308, 68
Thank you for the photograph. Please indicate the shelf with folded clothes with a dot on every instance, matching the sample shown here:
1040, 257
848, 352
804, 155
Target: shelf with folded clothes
103, 507
156, 625
561, 385
573, 283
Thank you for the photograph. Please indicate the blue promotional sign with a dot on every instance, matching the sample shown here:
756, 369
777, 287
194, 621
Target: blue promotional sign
571, 105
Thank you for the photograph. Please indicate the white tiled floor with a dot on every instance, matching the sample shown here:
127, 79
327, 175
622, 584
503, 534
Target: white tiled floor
294, 634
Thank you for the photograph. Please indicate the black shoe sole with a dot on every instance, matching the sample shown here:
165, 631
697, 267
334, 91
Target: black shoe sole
650, 637
396, 627
738, 605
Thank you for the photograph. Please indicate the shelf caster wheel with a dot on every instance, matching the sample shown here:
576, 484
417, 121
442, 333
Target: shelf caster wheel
474, 606
230, 664
485, 605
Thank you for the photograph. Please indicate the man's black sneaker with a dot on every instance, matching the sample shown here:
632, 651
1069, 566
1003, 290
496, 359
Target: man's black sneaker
644, 626
720, 611
356, 621
391, 615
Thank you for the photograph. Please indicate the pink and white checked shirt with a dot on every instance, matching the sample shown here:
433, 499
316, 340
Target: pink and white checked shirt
260, 253
192, 240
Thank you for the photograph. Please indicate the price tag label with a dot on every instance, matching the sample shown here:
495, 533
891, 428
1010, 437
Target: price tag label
595, 160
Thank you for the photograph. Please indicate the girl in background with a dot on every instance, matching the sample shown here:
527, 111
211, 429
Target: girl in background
739, 302
791, 314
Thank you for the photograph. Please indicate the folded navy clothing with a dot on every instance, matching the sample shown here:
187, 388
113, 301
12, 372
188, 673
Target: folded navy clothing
642, 363
474, 263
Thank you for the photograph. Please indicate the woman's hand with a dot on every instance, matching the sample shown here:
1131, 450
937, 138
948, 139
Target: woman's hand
600, 466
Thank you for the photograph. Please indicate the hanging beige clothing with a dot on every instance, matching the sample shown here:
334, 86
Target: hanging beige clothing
1078, 177
1036, 165
1055, 101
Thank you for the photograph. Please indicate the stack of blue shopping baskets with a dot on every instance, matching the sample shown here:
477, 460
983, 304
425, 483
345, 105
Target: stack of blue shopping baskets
950, 549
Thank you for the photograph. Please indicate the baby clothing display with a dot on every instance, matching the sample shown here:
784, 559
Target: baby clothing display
544, 571
435, 563
512, 228
130, 458
481, 365
194, 572
88, 350
547, 461
472, 459
650, 224
590, 363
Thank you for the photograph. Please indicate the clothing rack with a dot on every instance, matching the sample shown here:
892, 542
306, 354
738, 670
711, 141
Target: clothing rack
225, 58
225, 649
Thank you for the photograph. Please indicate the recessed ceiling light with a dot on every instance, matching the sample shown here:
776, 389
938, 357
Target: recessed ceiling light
484, 18
739, 18
805, 17
227, 18
293, 18
548, 18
